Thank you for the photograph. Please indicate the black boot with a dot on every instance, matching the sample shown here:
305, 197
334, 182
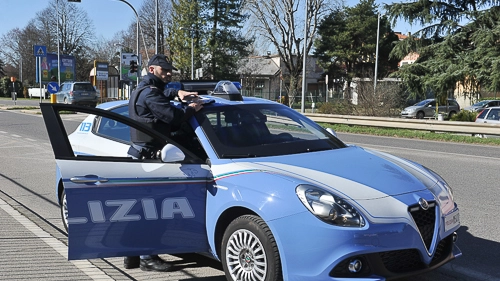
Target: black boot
155, 263
131, 262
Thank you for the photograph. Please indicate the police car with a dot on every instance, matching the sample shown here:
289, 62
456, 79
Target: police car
254, 184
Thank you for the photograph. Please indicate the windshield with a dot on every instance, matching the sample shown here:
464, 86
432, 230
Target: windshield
421, 103
481, 103
251, 130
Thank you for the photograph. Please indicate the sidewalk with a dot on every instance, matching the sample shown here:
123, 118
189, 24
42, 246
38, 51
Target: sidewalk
29, 253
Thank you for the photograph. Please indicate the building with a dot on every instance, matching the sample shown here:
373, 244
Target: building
265, 77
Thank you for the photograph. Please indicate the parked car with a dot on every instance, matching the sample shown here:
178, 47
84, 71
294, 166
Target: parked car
482, 105
254, 184
490, 115
427, 109
79, 93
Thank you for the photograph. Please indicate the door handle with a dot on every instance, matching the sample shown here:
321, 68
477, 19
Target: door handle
88, 179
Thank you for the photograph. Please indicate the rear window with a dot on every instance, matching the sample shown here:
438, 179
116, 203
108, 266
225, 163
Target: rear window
83, 87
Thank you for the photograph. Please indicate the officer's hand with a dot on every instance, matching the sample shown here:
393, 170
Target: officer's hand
197, 105
187, 96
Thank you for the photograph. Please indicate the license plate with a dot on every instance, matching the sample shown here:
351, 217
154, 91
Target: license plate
84, 94
451, 220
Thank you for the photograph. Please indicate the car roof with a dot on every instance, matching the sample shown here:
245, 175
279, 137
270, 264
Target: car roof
217, 101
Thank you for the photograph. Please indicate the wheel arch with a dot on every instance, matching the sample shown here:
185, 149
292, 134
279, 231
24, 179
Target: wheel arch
224, 220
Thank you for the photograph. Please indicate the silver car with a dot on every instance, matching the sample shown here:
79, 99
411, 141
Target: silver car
79, 93
482, 105
489, 115
426, 109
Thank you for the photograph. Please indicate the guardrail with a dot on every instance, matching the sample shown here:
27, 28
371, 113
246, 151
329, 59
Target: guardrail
414, 124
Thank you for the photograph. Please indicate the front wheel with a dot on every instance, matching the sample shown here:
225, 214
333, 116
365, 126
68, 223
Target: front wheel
420, 115
249, 251
63, 205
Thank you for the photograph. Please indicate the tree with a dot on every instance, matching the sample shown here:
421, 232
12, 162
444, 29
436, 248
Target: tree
147, 14
2, 72
452, 55
347, 42
17, 50
188, 24
225, 43
279, 22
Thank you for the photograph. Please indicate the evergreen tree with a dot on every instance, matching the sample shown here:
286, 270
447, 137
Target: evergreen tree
348, 41
226, 45
451, 55
2, 71
187, 26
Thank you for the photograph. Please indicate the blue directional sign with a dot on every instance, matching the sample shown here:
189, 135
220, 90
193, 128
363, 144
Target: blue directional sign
53, 87
40, 51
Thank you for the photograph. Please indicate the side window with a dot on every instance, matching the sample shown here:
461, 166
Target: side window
113, 129
493, 114
483, 113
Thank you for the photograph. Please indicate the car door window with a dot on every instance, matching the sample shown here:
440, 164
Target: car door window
493, 115
113, 129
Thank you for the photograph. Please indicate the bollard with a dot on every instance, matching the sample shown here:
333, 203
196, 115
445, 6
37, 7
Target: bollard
53, 98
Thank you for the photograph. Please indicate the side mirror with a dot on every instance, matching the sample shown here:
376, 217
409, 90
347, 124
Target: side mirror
171, 153
332, 132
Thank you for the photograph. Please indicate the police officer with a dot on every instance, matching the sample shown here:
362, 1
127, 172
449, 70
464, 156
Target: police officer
150, 105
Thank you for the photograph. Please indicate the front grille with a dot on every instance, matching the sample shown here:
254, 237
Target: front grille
443, 249
402, 260
425, 221
393, 263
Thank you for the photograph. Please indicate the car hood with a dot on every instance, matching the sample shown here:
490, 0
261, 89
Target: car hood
358, 173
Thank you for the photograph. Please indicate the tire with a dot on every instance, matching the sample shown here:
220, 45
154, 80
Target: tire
66, 101
249, 251
63, 205
451, 114
420, 115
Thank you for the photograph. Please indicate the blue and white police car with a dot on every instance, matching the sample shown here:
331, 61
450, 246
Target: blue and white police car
254, 184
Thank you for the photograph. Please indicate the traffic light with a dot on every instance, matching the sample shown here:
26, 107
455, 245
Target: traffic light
133, 66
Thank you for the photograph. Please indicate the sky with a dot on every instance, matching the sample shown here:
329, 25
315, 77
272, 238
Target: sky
108, 16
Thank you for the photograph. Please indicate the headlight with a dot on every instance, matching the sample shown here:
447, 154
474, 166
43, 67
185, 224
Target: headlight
439, 178
328, 207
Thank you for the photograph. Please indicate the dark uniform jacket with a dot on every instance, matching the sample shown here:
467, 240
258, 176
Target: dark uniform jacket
150, 105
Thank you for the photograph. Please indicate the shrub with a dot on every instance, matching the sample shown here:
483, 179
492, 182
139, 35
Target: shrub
341, 107
465, 115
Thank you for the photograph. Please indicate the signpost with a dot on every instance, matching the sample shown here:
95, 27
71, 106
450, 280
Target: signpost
53, 87
40, 51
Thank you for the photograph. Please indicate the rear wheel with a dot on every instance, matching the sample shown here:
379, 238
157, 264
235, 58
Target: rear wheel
63, 205
249, 251
451, 114
66, 101
420, 115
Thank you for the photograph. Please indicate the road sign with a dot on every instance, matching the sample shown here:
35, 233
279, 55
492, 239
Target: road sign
39, 51
53, 87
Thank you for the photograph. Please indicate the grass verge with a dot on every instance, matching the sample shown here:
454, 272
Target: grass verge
411, 134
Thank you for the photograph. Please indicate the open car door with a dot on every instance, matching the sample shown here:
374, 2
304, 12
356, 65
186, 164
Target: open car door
120, 206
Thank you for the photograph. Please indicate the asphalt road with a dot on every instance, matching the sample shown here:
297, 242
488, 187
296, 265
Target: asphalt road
27, 170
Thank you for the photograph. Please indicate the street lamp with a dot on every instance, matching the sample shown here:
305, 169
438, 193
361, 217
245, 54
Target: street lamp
137, 39
304, 84
376, 54
191, 31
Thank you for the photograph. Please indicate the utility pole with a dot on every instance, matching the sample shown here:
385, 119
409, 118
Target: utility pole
304, 84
